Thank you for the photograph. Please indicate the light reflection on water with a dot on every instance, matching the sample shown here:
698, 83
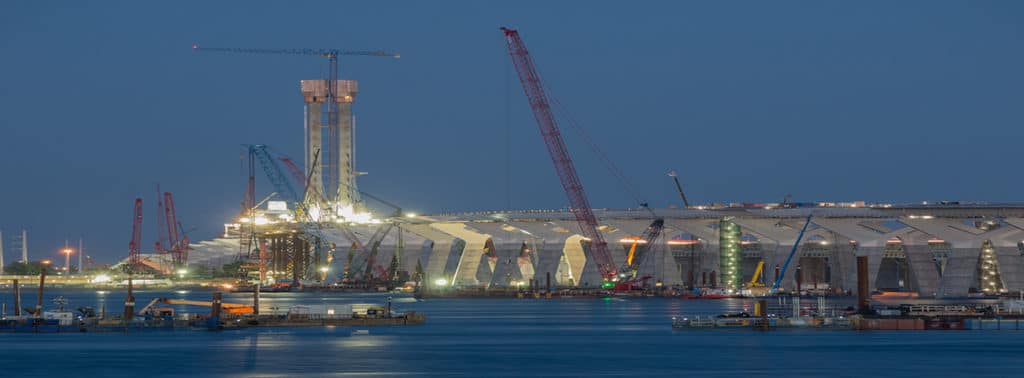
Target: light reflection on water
496, 337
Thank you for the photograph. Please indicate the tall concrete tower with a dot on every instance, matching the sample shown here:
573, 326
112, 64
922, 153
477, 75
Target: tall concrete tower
1, 251
334, 174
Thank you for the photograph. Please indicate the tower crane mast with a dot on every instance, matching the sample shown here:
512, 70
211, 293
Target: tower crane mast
542, 113
331, 100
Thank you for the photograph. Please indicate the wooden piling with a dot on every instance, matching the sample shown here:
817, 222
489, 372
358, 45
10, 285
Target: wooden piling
863, 295
129, 302
17, 298
39, 296
256, 300
215, 310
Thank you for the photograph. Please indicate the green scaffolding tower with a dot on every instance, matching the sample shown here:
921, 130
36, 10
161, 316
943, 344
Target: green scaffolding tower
989, 279
729, 253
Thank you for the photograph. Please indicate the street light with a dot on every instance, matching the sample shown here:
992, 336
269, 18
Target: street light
182, 273
323, 273
440, 282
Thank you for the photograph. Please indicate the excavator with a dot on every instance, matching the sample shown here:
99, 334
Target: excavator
228, 308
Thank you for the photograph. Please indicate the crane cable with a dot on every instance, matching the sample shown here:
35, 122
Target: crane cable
601, 155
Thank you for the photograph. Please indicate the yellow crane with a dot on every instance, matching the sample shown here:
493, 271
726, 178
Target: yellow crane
757, 274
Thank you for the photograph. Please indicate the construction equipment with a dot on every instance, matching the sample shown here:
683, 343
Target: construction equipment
159, 247
542, 113
368, 264
374, 243
331, 100
230, 308
134, 246
782, 273
177, 242
299, 176
310, 225
675, 177
757, 274
638, 252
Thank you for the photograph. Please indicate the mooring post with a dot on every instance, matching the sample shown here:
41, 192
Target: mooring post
256, 301
863, 298
799, 279
129, 302
17, 298
215, 309
39, 297
761, 310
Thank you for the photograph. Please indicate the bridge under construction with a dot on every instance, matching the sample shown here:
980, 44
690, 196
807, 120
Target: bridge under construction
320, 229
934, 250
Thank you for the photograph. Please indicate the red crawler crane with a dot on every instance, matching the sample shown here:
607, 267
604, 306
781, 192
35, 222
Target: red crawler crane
177, 242
579, 205
134, 252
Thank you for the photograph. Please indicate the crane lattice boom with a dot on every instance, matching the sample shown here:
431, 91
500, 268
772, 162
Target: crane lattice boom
177, 242
579, 205
135, 245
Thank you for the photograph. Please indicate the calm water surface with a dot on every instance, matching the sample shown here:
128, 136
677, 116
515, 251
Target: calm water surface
501, 337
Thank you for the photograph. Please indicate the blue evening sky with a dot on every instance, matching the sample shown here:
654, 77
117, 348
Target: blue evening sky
749, 100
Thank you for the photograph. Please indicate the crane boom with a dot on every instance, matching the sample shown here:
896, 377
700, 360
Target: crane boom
134, 251
177, 242
778, 281
578, 202
312, 226
675, 177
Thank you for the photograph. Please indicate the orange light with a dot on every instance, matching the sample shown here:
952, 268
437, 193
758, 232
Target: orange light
45, 262
68, 250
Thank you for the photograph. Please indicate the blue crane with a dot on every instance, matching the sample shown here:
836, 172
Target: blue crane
792, 252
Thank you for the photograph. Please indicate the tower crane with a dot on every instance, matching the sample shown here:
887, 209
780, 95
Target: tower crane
331, 55
542, 113
331, 100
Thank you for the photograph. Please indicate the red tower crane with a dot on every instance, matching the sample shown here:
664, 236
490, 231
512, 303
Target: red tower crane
134, 252
579, 205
